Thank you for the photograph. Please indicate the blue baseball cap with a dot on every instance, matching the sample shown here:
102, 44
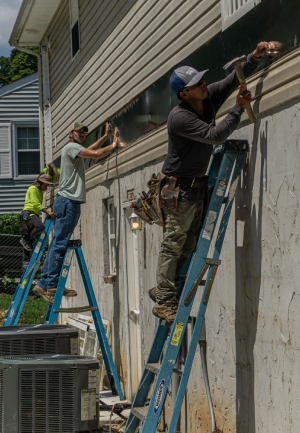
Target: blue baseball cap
185, 76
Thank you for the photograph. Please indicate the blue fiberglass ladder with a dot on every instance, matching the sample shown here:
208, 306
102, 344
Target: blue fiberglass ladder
18, 301
226, 164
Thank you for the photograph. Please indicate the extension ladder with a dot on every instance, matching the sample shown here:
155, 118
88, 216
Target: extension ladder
226, 164
18, 301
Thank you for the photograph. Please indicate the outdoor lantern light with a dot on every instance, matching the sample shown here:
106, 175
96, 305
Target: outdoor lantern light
136, 223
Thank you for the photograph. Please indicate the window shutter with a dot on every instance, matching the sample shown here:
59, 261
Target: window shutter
5, 151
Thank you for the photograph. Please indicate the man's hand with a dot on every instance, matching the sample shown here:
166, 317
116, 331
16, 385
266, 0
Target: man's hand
264, 47
120, 143
116, 140
109, 129
51, 215
243, 99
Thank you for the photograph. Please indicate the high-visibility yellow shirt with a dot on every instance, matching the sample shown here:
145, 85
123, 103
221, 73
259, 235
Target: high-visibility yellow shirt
33, 200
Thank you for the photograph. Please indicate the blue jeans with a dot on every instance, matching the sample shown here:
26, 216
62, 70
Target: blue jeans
67, 215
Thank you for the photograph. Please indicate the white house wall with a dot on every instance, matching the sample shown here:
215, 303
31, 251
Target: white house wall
139, 49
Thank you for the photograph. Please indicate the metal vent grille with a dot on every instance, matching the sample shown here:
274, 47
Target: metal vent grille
28, 346
233, 5
47, 401
1, 401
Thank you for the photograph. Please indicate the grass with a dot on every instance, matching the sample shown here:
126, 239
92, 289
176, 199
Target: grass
34, 310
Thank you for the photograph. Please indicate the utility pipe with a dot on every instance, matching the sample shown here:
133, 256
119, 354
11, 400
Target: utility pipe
41, 128
127, 311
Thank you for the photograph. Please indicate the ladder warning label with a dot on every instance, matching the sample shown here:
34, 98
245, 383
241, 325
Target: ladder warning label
43, 235
209, 225
23, 284
64, 272
177, 333
68, 257
88, 404
38, 246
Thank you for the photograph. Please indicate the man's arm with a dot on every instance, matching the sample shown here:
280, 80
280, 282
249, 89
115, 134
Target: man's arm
221, 90
190, 126
102, 140
97, 154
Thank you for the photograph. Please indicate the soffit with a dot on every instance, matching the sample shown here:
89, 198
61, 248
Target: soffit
32, 22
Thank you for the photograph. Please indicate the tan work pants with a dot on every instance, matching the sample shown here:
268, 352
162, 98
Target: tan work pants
180, 235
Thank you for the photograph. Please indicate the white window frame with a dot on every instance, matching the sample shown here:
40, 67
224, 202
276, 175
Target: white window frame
7, 151
111, 236
71, 28
15, 126
229, 16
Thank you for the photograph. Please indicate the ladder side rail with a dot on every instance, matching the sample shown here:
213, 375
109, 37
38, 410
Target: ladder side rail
17, 304
60, 286
105, 349
198, 261
48, 314
203, 305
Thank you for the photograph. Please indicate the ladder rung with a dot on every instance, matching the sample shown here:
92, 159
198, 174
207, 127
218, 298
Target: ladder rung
75, 309
183, 278
139, 412
155, 368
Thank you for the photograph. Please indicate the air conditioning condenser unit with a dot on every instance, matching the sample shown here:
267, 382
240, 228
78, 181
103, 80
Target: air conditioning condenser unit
49, 394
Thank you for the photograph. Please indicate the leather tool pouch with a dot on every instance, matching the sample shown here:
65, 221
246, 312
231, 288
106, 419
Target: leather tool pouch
153, 215
169, 195
24, 223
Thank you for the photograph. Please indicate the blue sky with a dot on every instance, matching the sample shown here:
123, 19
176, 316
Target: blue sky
8, 14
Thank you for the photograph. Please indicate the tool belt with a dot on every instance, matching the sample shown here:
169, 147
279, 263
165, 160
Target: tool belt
25, 223
153, 215
169, 194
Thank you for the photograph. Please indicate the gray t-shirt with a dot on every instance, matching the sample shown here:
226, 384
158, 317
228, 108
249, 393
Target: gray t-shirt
72, 176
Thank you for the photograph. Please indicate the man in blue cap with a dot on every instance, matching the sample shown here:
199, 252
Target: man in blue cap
192, 132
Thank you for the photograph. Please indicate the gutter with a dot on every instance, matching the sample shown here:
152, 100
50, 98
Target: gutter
41, 129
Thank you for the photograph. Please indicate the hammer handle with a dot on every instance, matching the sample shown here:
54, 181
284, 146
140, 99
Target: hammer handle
240, 74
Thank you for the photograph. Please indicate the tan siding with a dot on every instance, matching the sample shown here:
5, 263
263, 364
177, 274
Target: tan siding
147, 42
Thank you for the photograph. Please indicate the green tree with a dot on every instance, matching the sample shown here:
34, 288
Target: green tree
17, 65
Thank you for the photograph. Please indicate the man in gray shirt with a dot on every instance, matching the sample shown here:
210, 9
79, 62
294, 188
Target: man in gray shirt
71, 194
192, 132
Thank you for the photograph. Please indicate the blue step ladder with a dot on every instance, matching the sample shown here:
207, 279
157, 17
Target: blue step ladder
16, 306
15, 309
53, 310
224, 173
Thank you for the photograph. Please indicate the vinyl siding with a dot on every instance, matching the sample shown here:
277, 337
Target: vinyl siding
109, 73
19, 102
12, 195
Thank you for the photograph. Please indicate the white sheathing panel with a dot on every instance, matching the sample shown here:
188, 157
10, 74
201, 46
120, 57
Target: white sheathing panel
149, 41
232, 10
5, 151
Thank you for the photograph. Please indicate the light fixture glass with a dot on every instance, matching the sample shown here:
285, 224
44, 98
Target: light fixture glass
136, 223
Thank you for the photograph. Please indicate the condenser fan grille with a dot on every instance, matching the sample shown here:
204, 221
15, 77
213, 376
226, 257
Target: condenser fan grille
47, 401
28, 346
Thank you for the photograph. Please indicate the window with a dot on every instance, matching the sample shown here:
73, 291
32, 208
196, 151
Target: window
232, 10
28, 151
74, 23
111, 235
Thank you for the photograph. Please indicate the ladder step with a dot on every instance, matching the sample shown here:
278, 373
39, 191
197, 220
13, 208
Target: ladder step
75, 309
140, 412
183, 278
155, 368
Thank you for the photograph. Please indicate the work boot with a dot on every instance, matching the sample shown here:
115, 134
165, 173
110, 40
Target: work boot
26, 244
152, 293
39, 291
166, 310
67, 292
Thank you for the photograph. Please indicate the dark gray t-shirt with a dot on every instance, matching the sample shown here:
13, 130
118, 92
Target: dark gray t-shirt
191, 136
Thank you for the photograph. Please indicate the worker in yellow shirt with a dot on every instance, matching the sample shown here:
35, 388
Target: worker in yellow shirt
52, 171
30, 223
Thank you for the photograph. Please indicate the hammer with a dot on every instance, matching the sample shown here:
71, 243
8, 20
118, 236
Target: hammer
236, 63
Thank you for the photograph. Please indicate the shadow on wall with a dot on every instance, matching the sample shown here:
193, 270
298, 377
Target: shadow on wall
248, 280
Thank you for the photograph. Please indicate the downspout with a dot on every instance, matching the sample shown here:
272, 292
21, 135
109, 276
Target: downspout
41, 129
127, 312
